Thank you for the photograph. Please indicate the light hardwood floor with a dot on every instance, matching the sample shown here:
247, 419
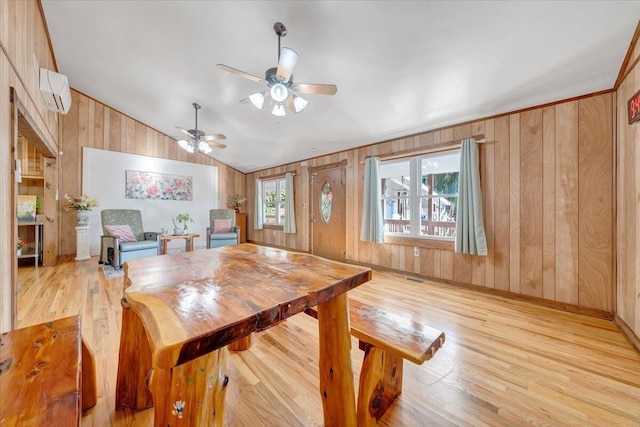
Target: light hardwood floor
504, 362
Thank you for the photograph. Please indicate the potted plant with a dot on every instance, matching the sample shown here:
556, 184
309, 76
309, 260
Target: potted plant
235, 201
182, 218
19, 246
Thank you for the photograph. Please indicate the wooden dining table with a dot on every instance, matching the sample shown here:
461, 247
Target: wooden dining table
180, 311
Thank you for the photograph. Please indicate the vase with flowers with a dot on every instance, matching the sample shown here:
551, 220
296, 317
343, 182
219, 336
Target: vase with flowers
235, 201
82, 205
19, 246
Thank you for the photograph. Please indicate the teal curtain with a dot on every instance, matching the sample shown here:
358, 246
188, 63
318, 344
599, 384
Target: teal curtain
372, 223
257, 209
290, 214
470, 236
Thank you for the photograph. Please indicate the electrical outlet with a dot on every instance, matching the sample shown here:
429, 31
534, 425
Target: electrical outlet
416, 251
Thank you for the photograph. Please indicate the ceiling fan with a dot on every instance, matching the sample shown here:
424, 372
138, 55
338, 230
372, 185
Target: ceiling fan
197, 140
279, 80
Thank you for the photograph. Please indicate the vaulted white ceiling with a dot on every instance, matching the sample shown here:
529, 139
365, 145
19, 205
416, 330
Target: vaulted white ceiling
401, 67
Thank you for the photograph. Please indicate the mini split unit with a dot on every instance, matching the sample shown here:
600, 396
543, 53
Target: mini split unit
55, 91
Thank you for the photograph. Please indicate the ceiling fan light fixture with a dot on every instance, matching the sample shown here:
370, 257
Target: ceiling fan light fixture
279, 92
299, 103
257, 99
184, 144
204, 147
278, 110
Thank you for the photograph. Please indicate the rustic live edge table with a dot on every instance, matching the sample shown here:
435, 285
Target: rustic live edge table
180, 311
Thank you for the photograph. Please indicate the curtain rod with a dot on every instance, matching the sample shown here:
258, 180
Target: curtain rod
276, 175
443, 146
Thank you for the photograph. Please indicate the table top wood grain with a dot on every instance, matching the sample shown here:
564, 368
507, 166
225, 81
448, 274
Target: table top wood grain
194, 302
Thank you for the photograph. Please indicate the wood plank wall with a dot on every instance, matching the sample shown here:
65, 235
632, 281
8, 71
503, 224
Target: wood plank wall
547, 181
90, 123
628, 203
22, 36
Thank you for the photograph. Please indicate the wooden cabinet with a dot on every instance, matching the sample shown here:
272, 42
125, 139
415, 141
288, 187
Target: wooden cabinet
31, 161
241, 221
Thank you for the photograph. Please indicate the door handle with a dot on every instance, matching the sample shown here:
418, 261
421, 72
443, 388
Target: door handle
313, 217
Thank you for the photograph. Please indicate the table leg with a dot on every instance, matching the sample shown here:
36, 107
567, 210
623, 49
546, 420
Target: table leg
164, 243
134, 363
191, 394
336, 376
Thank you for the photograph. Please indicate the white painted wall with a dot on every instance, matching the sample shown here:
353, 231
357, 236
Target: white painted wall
103, 178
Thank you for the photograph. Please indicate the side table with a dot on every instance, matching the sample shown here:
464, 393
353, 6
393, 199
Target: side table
82, 243
188, 244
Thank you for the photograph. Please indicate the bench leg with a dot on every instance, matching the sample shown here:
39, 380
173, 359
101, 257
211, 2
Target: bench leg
89, 386
191, 394
380, 383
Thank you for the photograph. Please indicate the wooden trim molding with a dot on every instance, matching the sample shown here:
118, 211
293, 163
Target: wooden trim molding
447, 245
625, 68
46, 31
341, 163
627, 332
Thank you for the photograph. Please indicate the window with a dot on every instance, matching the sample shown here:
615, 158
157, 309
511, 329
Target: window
420, 195
273, 198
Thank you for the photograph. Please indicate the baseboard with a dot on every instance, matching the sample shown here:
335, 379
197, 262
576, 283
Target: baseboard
627, 332
571, 308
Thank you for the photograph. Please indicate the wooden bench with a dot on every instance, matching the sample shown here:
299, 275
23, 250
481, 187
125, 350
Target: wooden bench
386, 340
47, 374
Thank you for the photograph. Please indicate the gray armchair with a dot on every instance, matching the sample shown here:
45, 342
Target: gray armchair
124, 237
217, 238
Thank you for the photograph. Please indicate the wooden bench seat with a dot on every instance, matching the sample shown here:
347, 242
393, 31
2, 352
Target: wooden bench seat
47, 374
386, 339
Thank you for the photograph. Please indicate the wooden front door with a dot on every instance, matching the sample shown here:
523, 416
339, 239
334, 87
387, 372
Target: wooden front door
328, 211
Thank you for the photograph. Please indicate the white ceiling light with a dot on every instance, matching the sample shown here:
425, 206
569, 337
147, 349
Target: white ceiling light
186, 145
257, 99
299, 103
278, 110
204, 147
279, 92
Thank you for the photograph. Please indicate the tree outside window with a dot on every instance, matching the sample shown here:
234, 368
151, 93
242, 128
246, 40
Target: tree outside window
420, 195
274, 196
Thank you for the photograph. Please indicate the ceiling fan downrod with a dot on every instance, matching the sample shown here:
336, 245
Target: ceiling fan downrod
197, 107
281, 31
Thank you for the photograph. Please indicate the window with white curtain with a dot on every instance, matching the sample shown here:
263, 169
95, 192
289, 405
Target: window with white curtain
273, 201
420, 195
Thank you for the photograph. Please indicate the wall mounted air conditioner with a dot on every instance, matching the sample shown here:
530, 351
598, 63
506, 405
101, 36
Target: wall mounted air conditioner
55, 91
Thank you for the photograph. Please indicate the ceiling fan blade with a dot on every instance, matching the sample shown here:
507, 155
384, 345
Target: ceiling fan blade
245, 100
288, 60
290, 104
241, 73
216, 144
186, 132
317, 89
215, 136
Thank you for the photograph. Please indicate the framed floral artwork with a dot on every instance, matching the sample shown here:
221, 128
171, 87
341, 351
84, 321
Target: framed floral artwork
158, 186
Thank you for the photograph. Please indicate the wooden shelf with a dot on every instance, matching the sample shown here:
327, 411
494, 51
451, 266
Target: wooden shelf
37, 250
